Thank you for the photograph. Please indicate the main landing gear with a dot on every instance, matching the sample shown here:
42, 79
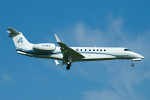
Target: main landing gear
68, 65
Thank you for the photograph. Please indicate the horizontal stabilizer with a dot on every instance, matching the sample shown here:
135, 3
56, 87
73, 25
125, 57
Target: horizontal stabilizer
12, 32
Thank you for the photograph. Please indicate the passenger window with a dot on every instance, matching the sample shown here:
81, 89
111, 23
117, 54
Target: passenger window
97, 50
93, 49
104, 49
76, 49
101, 50
85, 49
89, 49
80, 49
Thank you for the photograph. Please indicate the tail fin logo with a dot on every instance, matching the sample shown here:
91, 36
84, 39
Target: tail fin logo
20, 40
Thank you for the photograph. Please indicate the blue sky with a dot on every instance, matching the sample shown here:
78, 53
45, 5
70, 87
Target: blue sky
115, 23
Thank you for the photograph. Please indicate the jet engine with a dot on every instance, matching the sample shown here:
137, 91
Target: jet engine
47, 47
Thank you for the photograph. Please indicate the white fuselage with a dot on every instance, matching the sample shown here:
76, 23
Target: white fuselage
89, 53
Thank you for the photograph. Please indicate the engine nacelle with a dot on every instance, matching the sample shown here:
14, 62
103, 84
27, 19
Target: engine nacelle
44, 47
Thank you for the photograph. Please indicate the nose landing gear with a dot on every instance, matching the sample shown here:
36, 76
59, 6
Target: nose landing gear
138, 59
132, 63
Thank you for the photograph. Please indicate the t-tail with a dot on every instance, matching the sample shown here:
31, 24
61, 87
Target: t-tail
20, 41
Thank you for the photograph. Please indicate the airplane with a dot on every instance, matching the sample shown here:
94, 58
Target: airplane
69, 55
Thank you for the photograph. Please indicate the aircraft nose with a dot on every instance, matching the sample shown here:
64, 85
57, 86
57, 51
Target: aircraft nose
141, 57
136, 55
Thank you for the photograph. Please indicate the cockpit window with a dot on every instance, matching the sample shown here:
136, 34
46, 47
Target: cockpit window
126, 50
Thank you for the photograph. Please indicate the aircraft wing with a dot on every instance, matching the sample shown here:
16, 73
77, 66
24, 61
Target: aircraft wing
67, 51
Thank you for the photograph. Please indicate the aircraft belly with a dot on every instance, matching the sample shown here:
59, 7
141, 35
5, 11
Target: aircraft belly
48, 56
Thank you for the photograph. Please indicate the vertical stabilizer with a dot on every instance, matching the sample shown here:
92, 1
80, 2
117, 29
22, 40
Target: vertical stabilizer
19, 40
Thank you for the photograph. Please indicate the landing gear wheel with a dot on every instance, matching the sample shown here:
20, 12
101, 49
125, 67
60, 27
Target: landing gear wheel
68, 67
132, 64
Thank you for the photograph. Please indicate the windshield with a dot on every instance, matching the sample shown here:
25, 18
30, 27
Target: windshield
126, 50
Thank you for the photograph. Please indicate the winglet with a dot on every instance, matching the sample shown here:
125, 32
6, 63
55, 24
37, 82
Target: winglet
11, 30
57, 39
